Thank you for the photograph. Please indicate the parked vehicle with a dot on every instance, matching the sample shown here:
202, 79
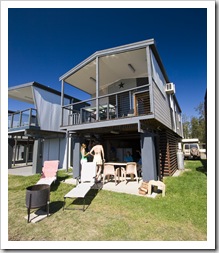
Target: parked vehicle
191, 149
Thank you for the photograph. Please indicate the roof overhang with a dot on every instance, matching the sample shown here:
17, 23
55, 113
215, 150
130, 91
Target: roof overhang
24, 92
114, 64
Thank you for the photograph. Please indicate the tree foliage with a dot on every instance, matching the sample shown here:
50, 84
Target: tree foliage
195, 127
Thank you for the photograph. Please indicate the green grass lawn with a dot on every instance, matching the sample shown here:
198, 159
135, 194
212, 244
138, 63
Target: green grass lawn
179, 216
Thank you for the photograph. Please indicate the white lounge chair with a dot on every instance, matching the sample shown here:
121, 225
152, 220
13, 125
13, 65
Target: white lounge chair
87, 181
49, 172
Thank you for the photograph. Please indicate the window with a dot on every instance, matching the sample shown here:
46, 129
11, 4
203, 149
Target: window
157, 74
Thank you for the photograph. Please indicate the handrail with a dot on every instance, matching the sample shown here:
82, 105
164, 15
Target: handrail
107, 95
21, 111
21, 118
123, 105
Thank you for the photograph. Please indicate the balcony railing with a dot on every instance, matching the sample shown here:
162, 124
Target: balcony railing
129, 103
24, 118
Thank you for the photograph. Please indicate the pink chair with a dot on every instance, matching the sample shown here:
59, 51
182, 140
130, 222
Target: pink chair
49, 172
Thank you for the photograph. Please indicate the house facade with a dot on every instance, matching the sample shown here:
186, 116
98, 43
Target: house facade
34, 133
131, 106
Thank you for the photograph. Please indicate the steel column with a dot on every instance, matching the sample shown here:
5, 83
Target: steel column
97, 88
148, 57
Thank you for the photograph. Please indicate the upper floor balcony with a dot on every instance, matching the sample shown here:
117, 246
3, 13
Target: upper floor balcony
21, 120
129, 103
126, 85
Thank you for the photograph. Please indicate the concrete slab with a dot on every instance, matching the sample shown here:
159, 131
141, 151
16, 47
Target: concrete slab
70, 181
21, 171
177, 173
37, 216
130, 188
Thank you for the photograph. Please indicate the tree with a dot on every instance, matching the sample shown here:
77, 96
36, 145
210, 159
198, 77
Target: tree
195, 128
186, 127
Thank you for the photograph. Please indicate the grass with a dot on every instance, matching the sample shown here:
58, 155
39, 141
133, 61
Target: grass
180, 216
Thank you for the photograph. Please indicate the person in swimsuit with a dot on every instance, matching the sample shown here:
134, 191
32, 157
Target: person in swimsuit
98, 155
83, 153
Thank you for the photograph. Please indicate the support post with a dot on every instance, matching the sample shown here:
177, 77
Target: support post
76, 157
11, 143
148, 156
67, 150
97, 88
37, 156
149, 69
27, 152
15, 152
62, 103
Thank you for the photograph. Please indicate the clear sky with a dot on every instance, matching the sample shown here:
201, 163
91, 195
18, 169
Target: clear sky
43, 44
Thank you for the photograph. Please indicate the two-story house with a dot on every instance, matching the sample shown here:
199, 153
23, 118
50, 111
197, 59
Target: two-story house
34, 133
132, 106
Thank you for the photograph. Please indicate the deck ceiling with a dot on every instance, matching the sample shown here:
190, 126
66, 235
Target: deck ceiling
112, 68
23, 94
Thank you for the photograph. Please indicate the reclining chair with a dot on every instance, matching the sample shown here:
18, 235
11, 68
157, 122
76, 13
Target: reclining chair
87, 181
49, 172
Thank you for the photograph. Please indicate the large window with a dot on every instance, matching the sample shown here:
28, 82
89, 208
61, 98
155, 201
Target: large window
157, 74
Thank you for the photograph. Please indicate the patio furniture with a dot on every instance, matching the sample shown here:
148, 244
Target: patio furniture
49, 172
159, 184
114, 169
109, 170
87, 181
106, 111
131, 169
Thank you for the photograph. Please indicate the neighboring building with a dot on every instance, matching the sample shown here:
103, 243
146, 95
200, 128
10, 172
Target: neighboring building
132, 106
34, 133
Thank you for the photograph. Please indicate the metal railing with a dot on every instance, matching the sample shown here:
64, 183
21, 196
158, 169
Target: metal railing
112, 106
24, 118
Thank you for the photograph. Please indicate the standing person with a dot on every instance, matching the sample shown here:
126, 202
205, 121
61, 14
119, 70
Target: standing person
98, 158
83, 153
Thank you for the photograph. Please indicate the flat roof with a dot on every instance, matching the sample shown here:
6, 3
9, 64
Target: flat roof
23, 92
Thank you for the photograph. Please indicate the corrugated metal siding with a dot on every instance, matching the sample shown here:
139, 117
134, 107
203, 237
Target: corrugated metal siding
161, 108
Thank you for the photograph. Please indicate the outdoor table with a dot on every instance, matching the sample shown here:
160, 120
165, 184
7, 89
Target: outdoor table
117, 165
106, 110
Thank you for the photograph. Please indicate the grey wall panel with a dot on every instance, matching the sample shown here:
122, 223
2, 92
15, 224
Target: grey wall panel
55, 149
46, 145
62, 152
162, 110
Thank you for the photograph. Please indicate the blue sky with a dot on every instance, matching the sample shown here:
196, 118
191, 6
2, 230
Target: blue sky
43, 44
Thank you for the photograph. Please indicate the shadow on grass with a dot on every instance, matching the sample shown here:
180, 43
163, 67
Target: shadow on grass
56, 184
203, 169
78, 203
55, 206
